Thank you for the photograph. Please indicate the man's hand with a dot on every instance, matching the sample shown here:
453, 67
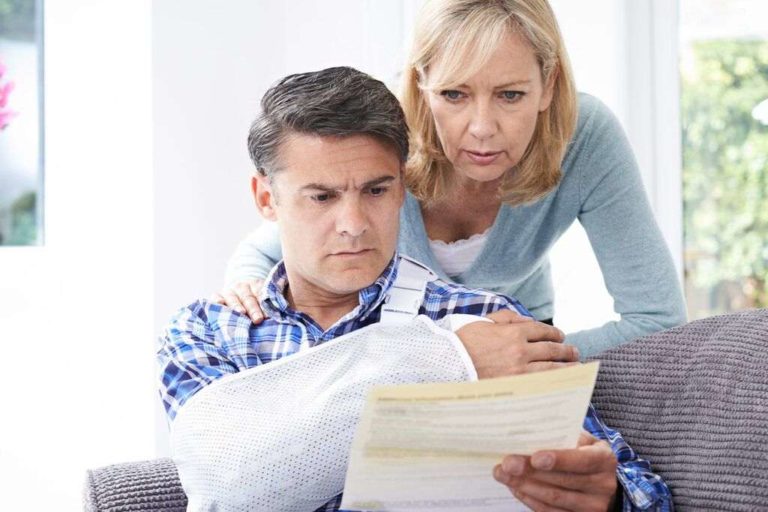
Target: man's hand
502, 348
581, 479
242, 298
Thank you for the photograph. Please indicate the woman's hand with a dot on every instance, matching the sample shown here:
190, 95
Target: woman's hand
243, 298
515, 344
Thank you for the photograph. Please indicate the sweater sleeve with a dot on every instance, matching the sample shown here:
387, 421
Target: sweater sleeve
634, 259
256, 254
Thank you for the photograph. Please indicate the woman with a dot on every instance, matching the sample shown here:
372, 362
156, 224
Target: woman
505, 156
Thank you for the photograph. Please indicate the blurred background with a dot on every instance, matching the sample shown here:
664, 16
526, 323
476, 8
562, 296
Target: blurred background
124, 183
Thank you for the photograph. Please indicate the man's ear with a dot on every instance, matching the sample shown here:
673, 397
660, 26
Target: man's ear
264, 196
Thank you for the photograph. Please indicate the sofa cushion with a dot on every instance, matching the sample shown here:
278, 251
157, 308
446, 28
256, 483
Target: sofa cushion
694, 401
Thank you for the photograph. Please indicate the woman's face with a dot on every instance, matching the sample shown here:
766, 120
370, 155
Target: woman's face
486, 123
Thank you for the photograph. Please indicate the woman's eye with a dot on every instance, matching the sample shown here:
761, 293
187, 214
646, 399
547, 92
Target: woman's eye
511, 96
452, 94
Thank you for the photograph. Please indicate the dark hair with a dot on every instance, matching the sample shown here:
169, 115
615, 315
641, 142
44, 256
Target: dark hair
340, 101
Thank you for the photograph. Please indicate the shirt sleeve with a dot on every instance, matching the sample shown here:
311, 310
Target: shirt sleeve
442, 299
633, 256
196, 349
255, 255
642, 488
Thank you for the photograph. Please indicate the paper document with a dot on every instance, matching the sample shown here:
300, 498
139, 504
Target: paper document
433, 447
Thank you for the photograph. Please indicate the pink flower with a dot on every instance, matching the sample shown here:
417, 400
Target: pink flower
5, 118
6, 114
5, 91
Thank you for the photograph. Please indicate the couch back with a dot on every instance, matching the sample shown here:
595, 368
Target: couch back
694, 401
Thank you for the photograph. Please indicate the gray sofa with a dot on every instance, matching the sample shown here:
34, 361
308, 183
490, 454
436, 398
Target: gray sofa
693, 400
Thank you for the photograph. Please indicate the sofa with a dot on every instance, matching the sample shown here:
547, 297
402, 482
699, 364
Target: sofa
693, 400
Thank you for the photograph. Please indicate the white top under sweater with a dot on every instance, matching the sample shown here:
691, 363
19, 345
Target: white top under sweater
456, 257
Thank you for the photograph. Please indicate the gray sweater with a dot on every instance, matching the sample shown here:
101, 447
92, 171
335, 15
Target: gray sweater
601, 187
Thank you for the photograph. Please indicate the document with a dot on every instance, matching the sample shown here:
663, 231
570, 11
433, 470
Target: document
429, 447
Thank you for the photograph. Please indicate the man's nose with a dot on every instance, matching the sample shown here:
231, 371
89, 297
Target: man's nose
483, 124
353, 218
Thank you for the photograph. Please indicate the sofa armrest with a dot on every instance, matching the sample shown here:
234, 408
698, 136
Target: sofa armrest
144, 486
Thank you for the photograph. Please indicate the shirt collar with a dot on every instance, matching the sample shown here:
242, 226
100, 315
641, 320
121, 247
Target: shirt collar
274, 303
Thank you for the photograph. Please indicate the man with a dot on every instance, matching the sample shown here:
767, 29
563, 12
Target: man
329, 148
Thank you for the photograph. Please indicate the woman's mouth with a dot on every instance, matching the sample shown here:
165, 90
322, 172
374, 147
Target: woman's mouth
482, 157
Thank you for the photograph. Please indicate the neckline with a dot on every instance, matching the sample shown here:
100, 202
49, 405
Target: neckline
421, 231
463, 241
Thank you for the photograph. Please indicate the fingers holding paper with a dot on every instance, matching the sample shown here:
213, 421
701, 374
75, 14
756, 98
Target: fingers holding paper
583, 478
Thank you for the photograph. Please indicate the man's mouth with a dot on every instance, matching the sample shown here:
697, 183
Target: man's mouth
351, 253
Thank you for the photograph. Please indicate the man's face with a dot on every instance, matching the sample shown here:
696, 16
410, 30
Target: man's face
337, 202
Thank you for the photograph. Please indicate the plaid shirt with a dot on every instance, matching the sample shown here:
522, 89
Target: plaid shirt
205, 341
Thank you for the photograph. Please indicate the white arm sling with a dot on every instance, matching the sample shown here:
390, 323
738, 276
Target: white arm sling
277, 437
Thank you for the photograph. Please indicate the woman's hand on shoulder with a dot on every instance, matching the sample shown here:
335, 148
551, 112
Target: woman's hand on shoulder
242, 297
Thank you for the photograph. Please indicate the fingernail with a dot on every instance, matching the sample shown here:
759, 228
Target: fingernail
513, 465
543, 461
499, 475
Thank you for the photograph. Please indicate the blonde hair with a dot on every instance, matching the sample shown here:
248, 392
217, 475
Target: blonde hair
464, 34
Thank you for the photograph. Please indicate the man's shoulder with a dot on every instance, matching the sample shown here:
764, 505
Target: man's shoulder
203, 312
444, 298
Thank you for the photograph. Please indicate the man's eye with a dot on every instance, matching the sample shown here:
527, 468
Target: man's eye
452, 94
321, 198
511, 96
377, 191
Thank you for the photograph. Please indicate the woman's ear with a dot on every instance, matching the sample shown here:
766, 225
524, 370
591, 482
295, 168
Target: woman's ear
264, 196
549, 89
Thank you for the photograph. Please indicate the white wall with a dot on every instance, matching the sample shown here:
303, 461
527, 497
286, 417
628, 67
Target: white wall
76, 315
212, 62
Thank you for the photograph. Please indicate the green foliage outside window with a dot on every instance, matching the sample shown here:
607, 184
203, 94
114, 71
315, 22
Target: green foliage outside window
23, 220
725, 173
17, 19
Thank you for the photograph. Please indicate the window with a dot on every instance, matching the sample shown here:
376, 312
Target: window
724, 117
20, 122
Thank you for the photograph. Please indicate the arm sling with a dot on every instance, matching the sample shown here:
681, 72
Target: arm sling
277, 437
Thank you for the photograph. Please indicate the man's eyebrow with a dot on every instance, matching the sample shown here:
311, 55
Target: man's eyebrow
368, 184
319, 186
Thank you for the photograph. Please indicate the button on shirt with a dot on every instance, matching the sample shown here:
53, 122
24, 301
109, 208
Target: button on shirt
205, 341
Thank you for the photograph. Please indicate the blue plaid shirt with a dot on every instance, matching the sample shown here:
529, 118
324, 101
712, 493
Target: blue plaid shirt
205, 341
